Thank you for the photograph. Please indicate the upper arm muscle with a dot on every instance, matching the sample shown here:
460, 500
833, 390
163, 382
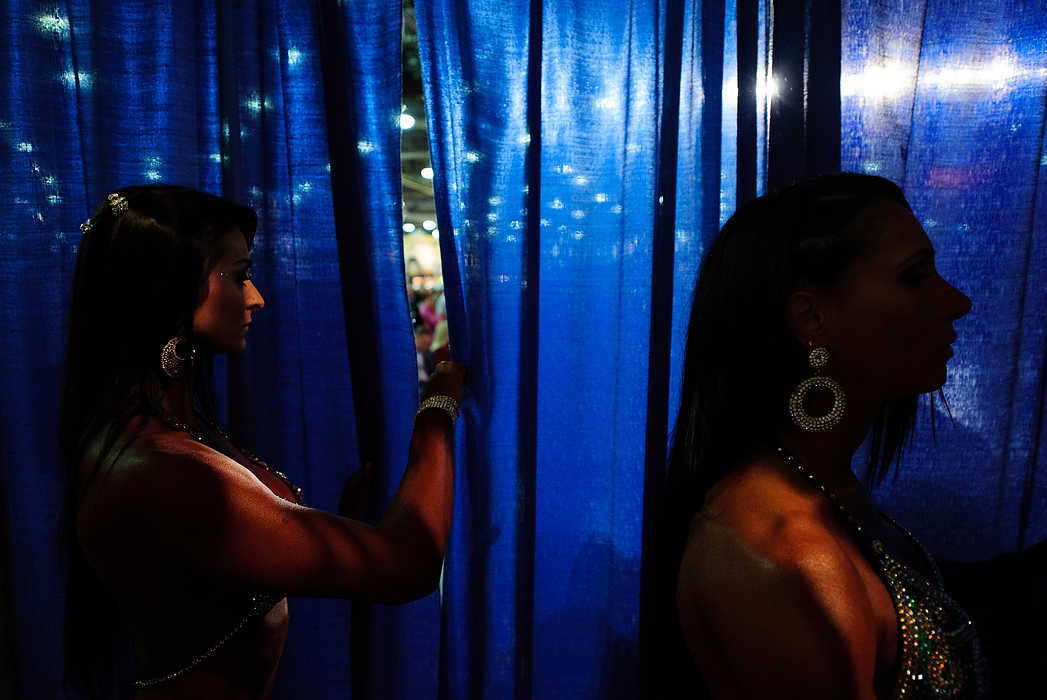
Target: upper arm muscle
793, 621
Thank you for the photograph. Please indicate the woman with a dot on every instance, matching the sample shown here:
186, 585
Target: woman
193, 540
818, 318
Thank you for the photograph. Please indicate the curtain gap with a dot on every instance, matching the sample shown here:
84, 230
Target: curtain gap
527, 417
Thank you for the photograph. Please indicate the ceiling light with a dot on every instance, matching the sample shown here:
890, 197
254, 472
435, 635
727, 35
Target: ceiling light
406, 121
408, 227
428, 224
427, 173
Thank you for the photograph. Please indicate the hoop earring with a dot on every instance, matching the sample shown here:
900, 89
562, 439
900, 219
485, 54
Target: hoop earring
171, 362
818, 358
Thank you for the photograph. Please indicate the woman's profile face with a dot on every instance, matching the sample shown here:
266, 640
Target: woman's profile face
890, 319
220, 323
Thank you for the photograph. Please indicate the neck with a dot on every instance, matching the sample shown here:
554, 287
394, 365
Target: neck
178, 399
828, 455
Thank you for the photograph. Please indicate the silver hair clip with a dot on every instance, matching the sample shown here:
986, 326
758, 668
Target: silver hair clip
117, 203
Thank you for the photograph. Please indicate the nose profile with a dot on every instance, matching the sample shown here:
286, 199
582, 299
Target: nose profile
959, 303
254, 300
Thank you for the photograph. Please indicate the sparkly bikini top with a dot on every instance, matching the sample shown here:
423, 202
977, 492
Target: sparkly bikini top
257, 604
939, 655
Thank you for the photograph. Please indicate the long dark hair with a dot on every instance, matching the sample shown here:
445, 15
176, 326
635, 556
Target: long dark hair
741, 360
140, 273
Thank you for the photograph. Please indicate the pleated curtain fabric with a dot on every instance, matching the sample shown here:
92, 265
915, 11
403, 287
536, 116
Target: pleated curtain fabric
291, 108
948, 100
585, 154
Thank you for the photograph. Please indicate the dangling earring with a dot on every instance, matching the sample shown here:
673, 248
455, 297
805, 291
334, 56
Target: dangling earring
171, 362
818, 358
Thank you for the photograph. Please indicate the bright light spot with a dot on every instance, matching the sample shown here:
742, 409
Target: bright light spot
428, 224
472, 156
49, 180
515, 224
406, 121
54, 199
409, 227
600, 197
581, 180
996, 74
608, 102
616, 209
661, 199
25, 147
293, 56
305, 186
885, 81
494, 201
69, 78
52, 23
929, 223
766, 88
365, 147
216, 157
525, 139
871, 167
730, 89
557, 204
253, 103
578, 235
427, 173
436, 233
578, 214
153, 175
492, 216
544, 222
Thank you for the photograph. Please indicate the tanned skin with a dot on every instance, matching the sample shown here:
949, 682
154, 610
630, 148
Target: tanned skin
180, 533
774, 595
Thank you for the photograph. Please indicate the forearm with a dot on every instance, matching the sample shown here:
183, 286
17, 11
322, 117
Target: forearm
418, 519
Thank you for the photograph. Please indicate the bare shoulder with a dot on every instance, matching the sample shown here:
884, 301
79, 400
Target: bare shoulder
153, 477
768, 593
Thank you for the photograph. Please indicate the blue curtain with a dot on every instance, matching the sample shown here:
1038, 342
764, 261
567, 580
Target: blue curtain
570, 257
948, 100
585, 152
288, 107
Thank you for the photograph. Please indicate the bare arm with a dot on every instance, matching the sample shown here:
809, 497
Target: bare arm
189, 508
789, 621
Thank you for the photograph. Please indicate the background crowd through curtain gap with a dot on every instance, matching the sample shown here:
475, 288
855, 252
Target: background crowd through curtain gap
585, 153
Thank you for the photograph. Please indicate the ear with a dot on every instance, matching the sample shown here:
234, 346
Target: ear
805, 317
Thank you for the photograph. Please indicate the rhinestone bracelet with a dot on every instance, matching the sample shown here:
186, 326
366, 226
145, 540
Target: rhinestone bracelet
444, 403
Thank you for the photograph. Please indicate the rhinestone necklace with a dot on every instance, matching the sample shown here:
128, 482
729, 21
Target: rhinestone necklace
253, 458
260, 603
853, 523
939, 652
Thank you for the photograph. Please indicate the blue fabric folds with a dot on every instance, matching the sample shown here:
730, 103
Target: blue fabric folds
243, 100
948, 100
569, 289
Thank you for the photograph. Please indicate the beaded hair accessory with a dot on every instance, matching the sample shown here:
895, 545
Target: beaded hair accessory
116, 202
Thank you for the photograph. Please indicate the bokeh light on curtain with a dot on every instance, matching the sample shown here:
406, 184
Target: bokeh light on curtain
233, 99
565, 275
584, 154
948, 100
